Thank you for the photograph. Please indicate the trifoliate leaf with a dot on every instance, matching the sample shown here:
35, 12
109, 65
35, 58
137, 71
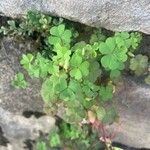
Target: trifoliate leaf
59, 35
114, 52
26, 61
139, 64
110, 62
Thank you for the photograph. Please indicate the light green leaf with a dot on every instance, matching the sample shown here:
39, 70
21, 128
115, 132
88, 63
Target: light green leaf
19, 81
76, 73
54, 140
104, 49
110, 42
41, 146
76, 60
54, 40
108, 61
84, 68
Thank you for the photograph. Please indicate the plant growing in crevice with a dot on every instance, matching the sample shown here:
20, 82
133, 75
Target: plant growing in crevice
78, 81
72, 81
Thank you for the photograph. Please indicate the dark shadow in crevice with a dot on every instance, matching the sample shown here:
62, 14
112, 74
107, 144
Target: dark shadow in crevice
29, 144
37, 114
124, 147
3, 141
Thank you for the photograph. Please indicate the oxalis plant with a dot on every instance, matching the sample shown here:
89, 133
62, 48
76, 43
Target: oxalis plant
78, 81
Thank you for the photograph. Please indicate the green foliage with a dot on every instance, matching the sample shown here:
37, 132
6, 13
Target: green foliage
41, 146
106, 93
54, 139
76, 76
33, 22
114, 50
38, 67
19, 81
59, 35
139, 64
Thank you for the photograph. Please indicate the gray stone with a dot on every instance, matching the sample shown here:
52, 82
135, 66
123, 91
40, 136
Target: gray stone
133, 104
14, 103
116, 15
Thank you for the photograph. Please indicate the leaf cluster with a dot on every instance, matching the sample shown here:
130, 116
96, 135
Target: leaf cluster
77, 76
19, 81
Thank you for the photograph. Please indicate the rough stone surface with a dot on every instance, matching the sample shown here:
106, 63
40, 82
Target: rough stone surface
133, 105
116, 15
16, 106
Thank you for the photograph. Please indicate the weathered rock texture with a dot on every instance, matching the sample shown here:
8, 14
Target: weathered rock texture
17, 107
133, 105
116, 15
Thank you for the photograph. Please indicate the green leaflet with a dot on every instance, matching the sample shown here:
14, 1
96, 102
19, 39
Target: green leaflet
47, 91
106, 93
54, 139
94, 71
79, 67
41, 146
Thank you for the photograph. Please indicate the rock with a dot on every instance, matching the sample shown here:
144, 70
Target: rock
21, 111
116, 15
133, 105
